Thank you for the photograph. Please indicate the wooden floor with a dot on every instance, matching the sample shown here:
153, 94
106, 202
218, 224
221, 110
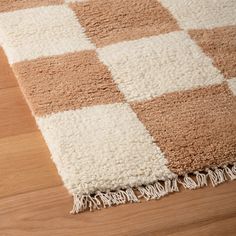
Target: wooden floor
34, 202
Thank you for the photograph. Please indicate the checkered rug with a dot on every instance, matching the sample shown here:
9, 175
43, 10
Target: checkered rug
133, 97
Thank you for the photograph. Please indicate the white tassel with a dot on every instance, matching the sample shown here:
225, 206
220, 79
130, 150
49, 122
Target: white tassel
144, 193
94, 203
104, 198
217, 176
131, 195
213, 177
80, 204
174, 187
154, 191
148, 192
161, 190
188, 183
234, 168
157, 190
229, 172
220, 174
201, 179
168, 186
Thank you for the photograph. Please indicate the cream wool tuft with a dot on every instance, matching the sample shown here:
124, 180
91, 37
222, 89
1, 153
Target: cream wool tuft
110, 141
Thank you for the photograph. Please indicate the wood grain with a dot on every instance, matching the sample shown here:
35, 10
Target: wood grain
45, 212
34, 202
25, 164
6, 75
15, 116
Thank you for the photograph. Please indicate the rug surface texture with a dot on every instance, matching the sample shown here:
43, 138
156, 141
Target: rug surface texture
133, 97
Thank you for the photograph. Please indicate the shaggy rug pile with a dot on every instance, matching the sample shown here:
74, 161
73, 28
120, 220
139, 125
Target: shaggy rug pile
133, 97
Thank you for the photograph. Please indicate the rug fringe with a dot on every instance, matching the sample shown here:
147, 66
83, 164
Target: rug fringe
216, 175
157, 190
101, 199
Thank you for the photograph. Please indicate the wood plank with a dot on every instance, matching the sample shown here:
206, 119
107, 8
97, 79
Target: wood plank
23, 150
25, 165
15, 116
223, 227
7, 78
209, 211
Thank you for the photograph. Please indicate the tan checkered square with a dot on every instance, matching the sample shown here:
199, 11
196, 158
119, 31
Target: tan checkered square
69, 81
111, 21
220, 45
194, 129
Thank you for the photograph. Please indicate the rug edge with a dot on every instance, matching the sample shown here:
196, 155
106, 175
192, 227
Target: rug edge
153, 191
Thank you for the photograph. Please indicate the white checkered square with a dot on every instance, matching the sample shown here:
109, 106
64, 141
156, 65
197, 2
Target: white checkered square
44, 31
202, 14
106, 141
150, 67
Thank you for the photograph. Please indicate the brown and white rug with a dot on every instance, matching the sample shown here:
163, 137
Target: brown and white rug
133, 97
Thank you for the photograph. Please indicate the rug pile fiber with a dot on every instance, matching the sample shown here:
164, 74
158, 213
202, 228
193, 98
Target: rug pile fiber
133, 97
